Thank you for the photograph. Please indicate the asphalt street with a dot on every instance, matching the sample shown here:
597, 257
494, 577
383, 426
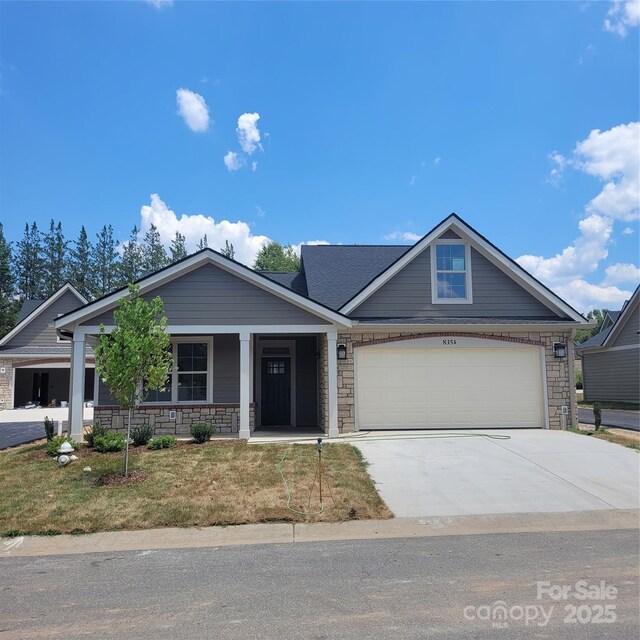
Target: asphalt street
15, 433
454, 587
612, 418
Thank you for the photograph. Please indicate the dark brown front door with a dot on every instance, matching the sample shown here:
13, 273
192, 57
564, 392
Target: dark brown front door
276, 392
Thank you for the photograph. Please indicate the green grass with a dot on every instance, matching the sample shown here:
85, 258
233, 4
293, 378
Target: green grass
191, 486
630, 441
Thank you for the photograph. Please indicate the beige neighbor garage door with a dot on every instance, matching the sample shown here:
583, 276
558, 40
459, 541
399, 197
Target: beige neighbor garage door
453, 386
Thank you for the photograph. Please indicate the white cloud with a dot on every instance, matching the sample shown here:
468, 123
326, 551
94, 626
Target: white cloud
611, 157
412, 180
297, 247
233, 161
194, 227
248, 132
437, 161
254, 166
160, 4
621, 272
193, 109
627, 231
621, 16
405, 236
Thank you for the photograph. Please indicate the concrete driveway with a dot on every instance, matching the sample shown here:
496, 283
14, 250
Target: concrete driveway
532, 471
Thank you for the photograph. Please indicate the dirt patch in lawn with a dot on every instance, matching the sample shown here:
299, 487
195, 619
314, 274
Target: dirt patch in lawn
119, 479
624, 437
217, 483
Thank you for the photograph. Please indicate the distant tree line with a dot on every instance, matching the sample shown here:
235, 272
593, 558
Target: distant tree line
40, 262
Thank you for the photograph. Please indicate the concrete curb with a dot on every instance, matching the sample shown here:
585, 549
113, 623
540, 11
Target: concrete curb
176, 538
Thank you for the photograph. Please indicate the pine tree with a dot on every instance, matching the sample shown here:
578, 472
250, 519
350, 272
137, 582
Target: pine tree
131, 265
178, 248
55, 250
228, 250
8, 306
28, 262
155, 257
104, 262
204, 243
79, 269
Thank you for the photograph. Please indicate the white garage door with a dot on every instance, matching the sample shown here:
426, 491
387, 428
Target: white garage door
448, 387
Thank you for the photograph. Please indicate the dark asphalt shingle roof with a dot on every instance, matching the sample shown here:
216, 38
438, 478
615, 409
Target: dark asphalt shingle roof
28, 307
336, 273
597, 340
614, 315
292, 280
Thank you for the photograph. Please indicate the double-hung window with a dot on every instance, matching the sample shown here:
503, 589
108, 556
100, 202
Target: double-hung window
451, 271
190, 376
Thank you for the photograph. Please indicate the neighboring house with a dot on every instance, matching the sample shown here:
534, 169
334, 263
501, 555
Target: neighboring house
611, 358
34, 362
447, 333
609, 320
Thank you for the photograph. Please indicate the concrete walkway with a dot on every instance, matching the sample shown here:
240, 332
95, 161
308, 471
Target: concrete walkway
534, 471
179, 538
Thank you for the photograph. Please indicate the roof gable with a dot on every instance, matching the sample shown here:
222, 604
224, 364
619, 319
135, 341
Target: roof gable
481, 245
231, 268
62, 301
627, 327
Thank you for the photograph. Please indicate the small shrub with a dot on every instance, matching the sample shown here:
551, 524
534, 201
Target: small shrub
110, 441
49, 428
96, 430
597, 414
54, 444
202, 431
578, 379
142, 434
162, 442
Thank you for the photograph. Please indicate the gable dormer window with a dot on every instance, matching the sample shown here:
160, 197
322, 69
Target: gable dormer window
451, 272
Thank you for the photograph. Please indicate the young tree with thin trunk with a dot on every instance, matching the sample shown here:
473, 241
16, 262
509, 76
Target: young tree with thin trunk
8, 306
134, 358
79, 268
178, 248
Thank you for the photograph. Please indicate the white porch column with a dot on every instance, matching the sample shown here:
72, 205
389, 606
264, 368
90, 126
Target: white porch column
76, 387
332, 383
245, 385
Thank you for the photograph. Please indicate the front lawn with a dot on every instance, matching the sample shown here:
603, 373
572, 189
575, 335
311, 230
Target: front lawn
194, 485
630, 439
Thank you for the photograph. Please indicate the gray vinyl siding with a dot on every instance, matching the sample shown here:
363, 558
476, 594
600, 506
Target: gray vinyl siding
408, 294
226, 368
306, 382
210, 295
38, 333
449, 234
612, 375
629, 332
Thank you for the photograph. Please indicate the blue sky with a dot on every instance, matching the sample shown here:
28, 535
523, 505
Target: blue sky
375, 121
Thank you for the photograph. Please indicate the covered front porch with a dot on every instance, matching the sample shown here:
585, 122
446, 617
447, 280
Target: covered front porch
260, 379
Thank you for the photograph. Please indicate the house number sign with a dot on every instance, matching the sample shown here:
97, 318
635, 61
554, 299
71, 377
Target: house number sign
449, 341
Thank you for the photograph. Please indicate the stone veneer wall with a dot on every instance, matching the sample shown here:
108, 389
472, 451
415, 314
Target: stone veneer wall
559, 375
226, 417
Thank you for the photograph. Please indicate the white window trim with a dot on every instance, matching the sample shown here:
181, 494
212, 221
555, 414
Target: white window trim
174, 373
434, 274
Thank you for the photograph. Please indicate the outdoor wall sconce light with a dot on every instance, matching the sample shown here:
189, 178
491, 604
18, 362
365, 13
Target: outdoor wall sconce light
342, 352
559, 349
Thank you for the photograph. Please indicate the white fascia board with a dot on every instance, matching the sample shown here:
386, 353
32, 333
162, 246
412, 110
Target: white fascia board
485, 248
208, 256
475, 328
622, 318
43, 307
